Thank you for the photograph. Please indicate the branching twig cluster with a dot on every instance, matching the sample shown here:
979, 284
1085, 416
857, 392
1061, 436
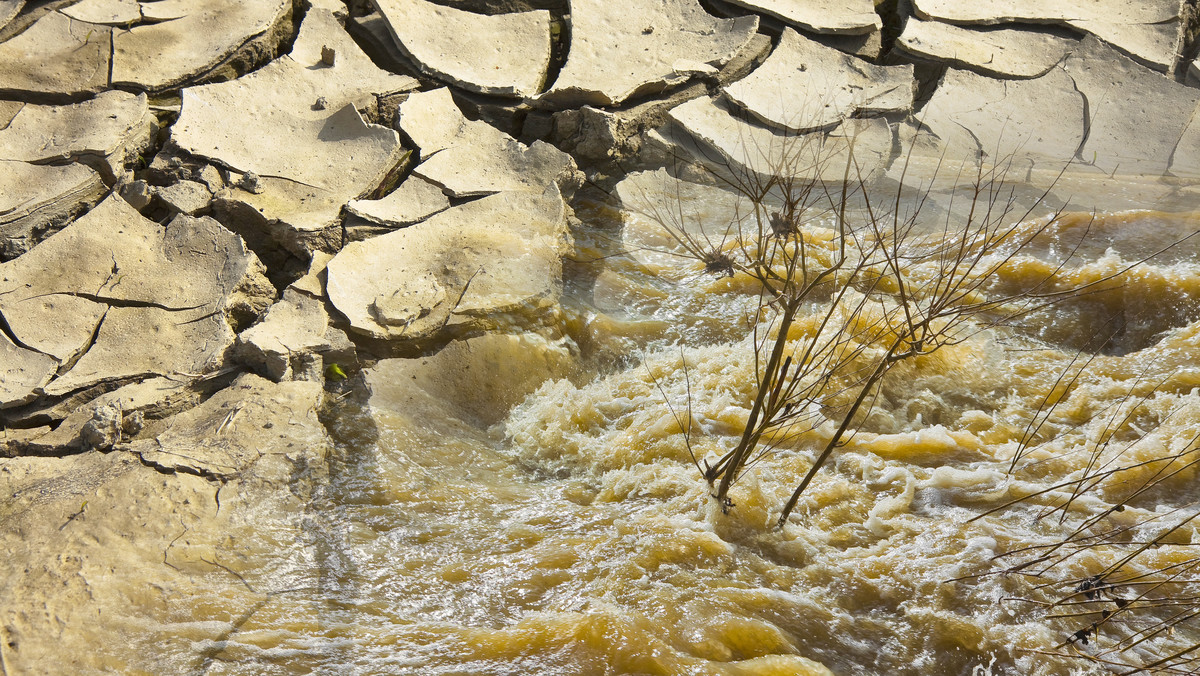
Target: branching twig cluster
840, 309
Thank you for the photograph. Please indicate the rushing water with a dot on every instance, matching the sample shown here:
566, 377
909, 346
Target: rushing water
574, 535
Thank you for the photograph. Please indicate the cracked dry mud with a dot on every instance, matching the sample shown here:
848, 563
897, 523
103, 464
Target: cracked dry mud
245, 244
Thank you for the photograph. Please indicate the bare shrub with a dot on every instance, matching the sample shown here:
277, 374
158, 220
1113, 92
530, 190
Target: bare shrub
839, 307
887, 285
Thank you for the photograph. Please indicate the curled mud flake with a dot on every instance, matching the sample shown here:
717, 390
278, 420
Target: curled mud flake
132, 424
137, 194
250, 182
103, 430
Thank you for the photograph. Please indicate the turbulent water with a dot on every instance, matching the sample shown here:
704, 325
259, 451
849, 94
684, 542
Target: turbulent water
576, 536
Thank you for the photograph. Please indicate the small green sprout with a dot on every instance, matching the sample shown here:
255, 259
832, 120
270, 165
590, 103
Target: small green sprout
74, 516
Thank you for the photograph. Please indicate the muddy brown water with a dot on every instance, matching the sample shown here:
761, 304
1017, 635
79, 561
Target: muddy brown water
575, 536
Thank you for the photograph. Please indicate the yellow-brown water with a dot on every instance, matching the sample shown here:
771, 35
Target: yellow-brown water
575, 536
